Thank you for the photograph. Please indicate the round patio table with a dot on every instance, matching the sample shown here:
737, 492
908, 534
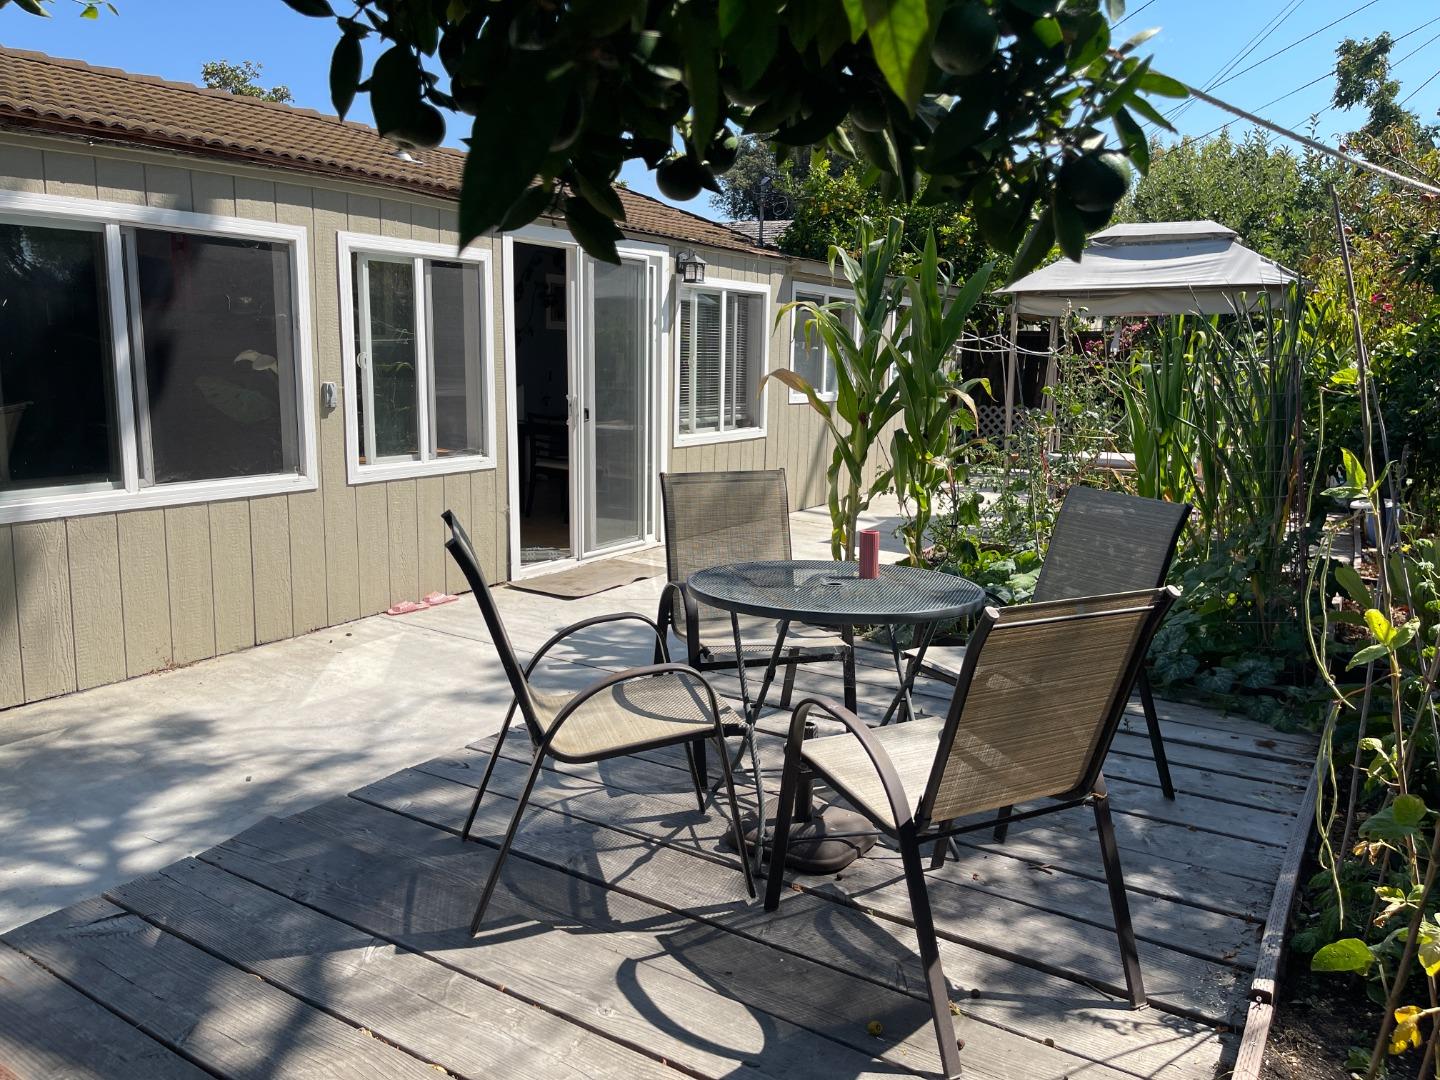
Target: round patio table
832, 594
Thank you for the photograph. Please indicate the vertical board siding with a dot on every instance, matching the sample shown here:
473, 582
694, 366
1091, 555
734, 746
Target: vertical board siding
232, 573
12, 680
457, 498
342, 587
99, 627
373, 535
429, 502
192, 605
144, 590
92, 600
69, 174
42, 589
270, 555
22, 168
404, 558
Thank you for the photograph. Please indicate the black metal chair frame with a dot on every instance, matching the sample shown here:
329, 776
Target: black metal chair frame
676, 601
913, 830
1142, 679
542, 737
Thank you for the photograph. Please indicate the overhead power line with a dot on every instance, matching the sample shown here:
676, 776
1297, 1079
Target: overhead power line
1315, 144
1131, 14
1321, 78
1245, 50
1297, 41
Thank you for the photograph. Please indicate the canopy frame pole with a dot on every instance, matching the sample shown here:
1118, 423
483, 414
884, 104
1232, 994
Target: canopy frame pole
1052, 376
1010, 362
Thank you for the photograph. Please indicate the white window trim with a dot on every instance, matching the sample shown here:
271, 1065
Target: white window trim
57, 211
827, 294
745, 434
350, 244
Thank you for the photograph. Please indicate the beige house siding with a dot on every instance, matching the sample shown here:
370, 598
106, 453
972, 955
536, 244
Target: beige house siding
94, 599
91, 600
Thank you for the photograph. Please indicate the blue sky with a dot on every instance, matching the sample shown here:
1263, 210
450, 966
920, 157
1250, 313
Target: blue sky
1198, 39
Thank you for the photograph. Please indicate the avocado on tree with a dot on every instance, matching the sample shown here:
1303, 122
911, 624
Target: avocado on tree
1021, 108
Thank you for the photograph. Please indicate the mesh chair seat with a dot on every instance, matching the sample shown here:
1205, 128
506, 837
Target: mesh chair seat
630, 716
910, 747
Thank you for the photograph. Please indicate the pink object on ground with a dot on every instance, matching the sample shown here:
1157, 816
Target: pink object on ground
435, 599
869, 553
405, 607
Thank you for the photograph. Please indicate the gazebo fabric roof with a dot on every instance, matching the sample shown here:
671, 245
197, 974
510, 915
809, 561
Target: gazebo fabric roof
1166, 268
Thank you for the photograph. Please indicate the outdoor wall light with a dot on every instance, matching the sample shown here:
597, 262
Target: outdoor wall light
690, 267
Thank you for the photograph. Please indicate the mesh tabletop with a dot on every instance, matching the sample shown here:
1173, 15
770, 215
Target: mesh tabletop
834, 594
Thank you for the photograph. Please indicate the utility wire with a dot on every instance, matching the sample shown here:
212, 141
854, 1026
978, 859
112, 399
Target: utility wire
1244, 51
1433, 76
1131, 14
1321, 78
1297, 41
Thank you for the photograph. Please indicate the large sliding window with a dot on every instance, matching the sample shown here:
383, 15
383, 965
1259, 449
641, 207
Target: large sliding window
147, 357
808, 356
415, 330
722, 335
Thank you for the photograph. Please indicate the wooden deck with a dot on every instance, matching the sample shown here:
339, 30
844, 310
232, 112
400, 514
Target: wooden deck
333, 943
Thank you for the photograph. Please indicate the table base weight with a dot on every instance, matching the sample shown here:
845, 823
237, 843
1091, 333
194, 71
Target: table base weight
831, 840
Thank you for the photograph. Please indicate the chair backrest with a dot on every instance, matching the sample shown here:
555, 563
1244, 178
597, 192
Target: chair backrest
463, 552
1109, 542
1040, 694
713, 518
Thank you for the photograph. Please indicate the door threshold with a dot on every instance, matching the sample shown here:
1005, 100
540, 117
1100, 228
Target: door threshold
556, 566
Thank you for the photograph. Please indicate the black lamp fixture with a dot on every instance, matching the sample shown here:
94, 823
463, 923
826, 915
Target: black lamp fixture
690, 267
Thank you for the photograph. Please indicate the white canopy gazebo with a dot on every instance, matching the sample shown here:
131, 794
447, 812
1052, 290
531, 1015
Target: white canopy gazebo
1163, 268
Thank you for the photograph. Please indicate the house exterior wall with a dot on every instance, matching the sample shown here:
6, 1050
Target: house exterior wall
89, 600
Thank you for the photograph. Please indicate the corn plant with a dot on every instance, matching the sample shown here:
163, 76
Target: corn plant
935, 408
858, 337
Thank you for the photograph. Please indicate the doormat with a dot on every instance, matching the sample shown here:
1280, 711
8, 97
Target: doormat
594, 577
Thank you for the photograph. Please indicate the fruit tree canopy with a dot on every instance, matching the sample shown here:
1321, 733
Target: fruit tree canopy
1163, 268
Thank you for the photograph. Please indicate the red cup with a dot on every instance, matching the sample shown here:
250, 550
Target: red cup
869, 553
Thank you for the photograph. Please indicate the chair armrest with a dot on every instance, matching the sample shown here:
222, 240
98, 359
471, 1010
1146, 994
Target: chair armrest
884, 767
628, 675
583, 624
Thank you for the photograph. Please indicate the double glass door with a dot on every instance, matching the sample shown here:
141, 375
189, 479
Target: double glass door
617, 402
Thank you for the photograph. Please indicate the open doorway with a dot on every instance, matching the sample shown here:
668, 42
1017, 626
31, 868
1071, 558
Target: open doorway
542, 402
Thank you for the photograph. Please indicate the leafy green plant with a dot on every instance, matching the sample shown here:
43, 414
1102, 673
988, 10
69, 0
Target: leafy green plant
857, 336
936, 408
1015, 120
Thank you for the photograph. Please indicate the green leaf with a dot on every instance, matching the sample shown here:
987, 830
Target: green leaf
345, 70
1164, 85
1349, 579
1347, 954
34, 7
1384, 825
596, 232
316, 9
1367, 655
1408, 810
899, 32
697, 35
1132, 136
1379, 626
1036, 245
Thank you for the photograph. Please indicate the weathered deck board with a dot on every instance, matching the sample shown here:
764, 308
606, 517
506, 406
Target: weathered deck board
402, 996
200, 1006
628, 969
970, 912
48, 1029
619, 944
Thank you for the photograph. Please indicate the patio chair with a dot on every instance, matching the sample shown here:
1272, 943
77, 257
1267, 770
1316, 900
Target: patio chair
1103, 542
1037, 701
726, 517
644, 708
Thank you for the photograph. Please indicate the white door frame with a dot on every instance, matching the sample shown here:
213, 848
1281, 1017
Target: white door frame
577, 325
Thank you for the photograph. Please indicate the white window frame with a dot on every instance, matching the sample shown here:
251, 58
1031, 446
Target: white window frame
419, 252
110, 218
827, 294
745, 434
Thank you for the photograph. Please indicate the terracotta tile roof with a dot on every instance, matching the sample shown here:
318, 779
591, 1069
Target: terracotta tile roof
69, 97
